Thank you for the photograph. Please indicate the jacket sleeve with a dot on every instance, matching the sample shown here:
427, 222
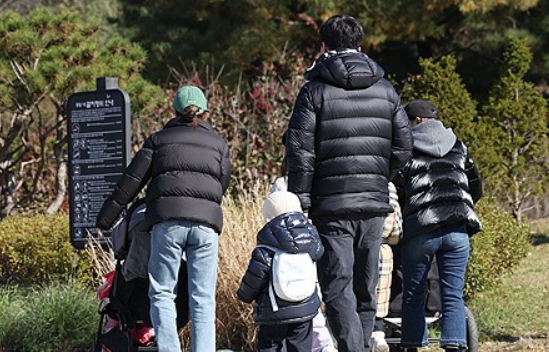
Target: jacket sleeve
256, 278
129, 185
401, 149
300, 148
475, 182
317, 249
225, 169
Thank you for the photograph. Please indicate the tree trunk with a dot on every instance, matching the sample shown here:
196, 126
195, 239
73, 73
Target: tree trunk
61, 172
7, 178
517, 202
8, 193
61, 188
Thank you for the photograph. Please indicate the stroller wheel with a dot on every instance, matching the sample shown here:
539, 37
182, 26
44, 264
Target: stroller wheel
472, 331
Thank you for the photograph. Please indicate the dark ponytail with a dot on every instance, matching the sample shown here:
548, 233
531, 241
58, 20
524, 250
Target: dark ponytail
192, 113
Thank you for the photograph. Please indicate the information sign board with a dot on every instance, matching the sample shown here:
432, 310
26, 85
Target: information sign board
99, 151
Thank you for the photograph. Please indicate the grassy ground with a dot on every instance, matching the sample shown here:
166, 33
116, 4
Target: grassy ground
515, 316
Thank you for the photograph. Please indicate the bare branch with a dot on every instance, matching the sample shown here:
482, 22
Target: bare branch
6, 4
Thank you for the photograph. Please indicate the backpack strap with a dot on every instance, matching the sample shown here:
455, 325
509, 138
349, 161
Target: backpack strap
272, 297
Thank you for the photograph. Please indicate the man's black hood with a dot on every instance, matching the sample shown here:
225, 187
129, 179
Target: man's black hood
348, 69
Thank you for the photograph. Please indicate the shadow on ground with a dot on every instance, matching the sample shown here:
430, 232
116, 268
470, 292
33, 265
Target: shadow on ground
539, 239
497, 337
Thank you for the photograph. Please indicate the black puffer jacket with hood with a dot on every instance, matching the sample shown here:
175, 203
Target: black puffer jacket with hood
439, 186
292, 233
348, 134
189, 171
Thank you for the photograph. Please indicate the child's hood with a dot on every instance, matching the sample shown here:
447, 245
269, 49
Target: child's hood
291, 232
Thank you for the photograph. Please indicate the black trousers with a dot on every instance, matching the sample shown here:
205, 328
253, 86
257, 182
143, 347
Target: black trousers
348, 275
298, 337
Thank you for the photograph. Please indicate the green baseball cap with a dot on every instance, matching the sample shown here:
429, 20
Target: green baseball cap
189, 95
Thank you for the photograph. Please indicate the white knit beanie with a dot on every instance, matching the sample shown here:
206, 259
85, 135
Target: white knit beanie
278, 203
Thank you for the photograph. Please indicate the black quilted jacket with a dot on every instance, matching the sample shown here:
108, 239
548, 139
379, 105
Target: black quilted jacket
189, 171
293, 233
348, 134
440, 184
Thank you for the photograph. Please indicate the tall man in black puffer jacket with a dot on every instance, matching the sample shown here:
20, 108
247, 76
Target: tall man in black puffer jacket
348, 134
438, 187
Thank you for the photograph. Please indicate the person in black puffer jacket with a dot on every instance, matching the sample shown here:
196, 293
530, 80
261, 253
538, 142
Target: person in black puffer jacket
438, 188
188, 166
347, 136
287, 229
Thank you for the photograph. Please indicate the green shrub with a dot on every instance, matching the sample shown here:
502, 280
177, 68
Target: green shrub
60, 317
496, 250
37, 250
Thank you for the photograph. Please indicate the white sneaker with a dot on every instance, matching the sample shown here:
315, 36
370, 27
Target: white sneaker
378, 342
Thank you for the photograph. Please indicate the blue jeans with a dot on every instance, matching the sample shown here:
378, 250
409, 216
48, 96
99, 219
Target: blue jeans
169, 240
452, 252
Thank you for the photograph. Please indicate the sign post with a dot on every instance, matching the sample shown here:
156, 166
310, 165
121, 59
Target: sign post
99, 151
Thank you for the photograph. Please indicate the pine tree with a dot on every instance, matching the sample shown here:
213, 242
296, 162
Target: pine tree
440, 83
516, 124
44, 58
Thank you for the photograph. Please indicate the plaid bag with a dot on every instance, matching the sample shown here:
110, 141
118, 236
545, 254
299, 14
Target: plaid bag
392, 226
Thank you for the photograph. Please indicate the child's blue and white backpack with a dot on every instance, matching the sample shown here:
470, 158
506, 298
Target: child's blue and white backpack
293, 276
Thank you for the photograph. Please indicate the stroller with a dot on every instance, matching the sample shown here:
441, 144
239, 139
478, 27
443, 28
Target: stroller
393, 321
125, 324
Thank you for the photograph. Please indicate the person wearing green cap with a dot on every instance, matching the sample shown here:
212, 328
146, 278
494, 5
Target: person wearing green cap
188, 96
187, 168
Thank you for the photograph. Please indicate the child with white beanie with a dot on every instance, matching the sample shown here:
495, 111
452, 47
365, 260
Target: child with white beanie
322, 338
281, 322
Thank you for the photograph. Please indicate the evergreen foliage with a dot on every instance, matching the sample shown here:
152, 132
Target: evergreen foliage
516, 120
440, 83
496, 250
44, 58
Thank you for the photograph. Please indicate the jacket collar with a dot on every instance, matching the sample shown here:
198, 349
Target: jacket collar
179, 122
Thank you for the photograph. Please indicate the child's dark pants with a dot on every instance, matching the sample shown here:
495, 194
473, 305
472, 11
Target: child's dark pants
298, 336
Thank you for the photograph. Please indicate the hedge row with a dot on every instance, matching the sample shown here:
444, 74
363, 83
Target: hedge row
37, 250
496, 250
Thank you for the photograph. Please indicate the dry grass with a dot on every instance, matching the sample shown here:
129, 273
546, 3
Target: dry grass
101, 254
234, 319
235, 329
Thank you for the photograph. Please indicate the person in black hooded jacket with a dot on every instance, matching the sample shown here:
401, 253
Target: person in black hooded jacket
289, 230
187, 168
438, 188
347, 136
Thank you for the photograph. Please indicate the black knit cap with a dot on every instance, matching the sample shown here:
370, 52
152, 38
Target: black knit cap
421, 108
